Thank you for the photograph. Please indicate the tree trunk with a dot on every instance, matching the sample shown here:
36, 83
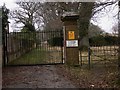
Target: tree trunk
85, 16
119, 45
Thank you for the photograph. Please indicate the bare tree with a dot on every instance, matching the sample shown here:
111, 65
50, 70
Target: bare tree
27, 13
48, 13
115, 30
53, 12
94, 30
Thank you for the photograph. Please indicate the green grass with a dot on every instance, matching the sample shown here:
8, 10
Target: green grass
35, 56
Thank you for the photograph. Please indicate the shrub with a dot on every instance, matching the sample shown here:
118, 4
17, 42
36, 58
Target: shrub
103, 40
56, 41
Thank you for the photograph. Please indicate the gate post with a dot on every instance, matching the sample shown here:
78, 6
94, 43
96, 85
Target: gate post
70, 29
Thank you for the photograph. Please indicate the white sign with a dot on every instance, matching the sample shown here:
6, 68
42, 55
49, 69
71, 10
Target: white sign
72, 43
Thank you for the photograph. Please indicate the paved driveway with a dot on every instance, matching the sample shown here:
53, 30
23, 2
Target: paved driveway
34, 77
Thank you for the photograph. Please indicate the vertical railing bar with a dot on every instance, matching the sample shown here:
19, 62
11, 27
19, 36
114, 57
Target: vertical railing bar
45, 45
36, 48
51, 42
48, 59
89, 62
54, 47
61, 51
41, 44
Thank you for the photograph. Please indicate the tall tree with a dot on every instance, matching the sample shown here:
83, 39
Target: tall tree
47, 13
0, 25
119, 42
5, 30
53, 12
27, 14
85, 14
5, 13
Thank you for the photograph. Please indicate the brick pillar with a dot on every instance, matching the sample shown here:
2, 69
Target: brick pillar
71, 51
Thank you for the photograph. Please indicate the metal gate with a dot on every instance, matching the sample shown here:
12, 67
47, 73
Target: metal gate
100, 50
34, 48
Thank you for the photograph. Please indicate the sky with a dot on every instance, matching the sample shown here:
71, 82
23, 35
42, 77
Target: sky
106, 22
10, 4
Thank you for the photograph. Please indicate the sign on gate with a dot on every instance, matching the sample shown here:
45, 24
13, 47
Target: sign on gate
71, 50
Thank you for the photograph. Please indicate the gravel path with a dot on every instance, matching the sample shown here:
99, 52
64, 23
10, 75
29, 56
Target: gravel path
34, 77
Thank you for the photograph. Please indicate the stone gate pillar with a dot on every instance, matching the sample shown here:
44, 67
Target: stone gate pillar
70, 29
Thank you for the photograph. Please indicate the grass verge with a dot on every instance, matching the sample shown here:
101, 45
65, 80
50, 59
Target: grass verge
35, 56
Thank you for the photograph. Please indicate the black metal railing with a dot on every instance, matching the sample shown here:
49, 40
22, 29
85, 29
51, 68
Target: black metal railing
33, 48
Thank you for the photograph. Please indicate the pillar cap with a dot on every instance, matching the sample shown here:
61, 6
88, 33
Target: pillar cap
69, 16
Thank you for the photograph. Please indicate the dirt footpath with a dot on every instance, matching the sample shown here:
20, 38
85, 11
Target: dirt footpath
34, 77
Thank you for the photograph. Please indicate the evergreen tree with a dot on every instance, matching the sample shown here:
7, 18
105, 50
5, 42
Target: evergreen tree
5, 13
5, 23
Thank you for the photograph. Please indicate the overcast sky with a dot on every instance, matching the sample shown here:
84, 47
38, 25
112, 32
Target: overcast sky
106, 22
9, 3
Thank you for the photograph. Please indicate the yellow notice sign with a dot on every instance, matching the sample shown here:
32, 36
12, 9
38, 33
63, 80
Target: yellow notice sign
71, 35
